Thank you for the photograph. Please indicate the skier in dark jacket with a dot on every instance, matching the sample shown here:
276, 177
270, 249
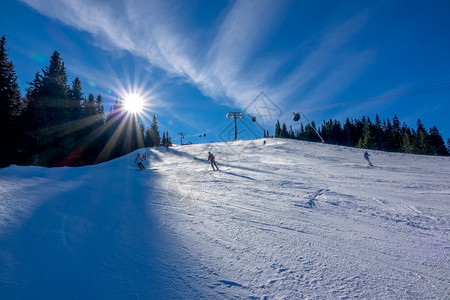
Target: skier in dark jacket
138, 160
366, 156
212, 159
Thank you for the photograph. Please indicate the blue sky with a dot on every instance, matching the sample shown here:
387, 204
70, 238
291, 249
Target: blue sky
196, 60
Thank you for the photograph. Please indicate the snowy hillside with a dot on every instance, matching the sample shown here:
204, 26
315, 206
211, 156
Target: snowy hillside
288, 220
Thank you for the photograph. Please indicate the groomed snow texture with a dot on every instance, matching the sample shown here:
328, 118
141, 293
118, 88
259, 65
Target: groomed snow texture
288, 220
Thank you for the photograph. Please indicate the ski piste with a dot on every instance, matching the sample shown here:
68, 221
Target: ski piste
290, 220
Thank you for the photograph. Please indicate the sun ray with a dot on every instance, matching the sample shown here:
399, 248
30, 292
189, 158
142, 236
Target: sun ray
134, 103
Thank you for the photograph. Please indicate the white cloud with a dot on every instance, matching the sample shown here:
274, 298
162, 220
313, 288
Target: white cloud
325, 56
224, 67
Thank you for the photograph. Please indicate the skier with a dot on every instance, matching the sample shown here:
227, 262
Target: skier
212, 159
138, 159
366, 156
144, 155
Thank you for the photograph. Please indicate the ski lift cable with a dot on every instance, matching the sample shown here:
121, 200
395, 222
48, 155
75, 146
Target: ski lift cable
203, 132
419, 90
194, 135
313, 127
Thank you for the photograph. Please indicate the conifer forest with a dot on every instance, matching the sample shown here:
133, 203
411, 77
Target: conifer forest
56, 124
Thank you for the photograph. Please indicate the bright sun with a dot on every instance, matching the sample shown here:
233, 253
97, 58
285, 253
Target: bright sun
134, 103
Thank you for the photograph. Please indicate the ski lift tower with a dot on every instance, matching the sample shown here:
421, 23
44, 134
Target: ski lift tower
181, 136
235, 115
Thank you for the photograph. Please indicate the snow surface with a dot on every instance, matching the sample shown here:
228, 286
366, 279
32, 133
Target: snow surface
288, 220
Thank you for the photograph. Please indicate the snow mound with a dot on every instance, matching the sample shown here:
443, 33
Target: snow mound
287, 220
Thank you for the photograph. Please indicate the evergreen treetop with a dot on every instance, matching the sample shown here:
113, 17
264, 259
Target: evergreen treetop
11, 107
383, 135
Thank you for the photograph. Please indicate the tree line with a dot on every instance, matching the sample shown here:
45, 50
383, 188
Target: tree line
54, 124
384, 135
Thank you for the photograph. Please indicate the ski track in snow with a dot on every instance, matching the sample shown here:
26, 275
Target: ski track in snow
288, 220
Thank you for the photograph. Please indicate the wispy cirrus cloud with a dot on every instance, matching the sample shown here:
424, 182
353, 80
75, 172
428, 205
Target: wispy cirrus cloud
245, 28
326, 62
225, 66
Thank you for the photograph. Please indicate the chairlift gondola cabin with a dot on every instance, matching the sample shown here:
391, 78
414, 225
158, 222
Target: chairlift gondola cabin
295, 116
253, 119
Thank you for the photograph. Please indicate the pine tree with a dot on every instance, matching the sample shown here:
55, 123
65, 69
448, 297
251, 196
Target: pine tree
436, 142
34, 119
48, 115
117, 111
141, 132
168, 139
421, 140
86, 150
284, 133
75, 101
382, 135
73, 125
56, 101
99, 107
358, 128
368, 138
310, 132
408, 141
326, 131
397, 135
94, 132
148, 141
112, 132
11, 107
347, 133
332, 132
378, 133
100, 113
301, 132
388, 132
90, 110
278, 129
291, 133
154, 132
76, 116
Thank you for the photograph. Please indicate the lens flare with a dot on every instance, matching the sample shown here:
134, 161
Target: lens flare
40, 58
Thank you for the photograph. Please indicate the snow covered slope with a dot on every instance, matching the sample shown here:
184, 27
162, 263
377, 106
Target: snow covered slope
288, 220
